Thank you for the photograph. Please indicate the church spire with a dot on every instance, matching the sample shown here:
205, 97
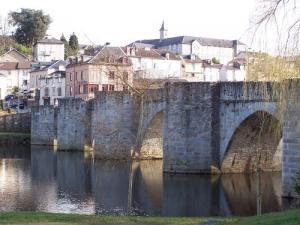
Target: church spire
162, 31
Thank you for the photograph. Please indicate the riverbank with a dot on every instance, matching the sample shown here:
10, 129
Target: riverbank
63, 219
290, 217
13, 138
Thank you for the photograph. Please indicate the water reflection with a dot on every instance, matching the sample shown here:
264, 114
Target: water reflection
41, 179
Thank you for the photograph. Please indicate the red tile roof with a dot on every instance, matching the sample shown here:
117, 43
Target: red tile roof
15, 65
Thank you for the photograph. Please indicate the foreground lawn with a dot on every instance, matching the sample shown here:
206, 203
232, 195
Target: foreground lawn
66, 219
291, 217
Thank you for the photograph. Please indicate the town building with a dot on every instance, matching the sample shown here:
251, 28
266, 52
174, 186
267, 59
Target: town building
149, 63
13, 55
14, 72
48, 80
109, 69
205, 48
48, 49
192, 67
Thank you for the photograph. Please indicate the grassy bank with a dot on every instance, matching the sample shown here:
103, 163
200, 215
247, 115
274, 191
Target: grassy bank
290, 217
14, 138
63, 219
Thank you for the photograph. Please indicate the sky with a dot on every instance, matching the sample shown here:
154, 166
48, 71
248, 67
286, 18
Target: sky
122, 22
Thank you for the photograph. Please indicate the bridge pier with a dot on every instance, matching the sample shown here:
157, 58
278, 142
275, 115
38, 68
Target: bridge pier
291, 137
188, 131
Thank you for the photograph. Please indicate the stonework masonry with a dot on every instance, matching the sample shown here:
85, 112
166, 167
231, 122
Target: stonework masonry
15, 123
192, 126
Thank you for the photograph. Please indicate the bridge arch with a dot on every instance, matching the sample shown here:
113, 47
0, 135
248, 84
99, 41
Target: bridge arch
254, 141
152, 137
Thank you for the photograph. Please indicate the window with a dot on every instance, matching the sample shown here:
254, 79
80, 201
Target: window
194, 66
71, 91
81, 75
76, 76
53, 90
80, 89
93, 88
111, 75
125, 88
59, 80
125, 75
59, 91
85, 88
104, 87
46, 92
111, 87
125, 60
25, 82
70, 76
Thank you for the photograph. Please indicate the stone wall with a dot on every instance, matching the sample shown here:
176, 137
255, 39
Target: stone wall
291, 137
188, 127
73, 124
44, 125
20, 123
114, 124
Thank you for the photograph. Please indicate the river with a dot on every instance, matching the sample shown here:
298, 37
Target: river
40, 179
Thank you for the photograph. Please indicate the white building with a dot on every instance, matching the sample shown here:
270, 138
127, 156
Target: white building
205, 48
219, 72
151, 63
48, 49
49, 80
14, 72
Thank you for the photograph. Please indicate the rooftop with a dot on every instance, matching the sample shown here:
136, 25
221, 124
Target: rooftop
49, 40
188, 40
15, 65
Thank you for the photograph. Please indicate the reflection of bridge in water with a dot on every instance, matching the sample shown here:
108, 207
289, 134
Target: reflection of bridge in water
194, 127
65, 182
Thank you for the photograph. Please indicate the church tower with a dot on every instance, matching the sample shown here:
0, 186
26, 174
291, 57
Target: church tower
163, 31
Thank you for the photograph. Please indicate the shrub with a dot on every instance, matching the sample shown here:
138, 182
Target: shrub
215, 61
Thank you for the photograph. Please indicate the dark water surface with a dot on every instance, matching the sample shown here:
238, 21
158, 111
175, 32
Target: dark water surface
40, 179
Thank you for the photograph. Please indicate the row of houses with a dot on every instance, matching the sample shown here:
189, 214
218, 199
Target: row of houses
106, 68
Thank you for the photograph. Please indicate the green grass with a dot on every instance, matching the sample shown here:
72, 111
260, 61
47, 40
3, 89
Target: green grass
291, 217
65, 219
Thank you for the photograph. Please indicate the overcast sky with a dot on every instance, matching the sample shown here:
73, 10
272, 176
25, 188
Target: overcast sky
121, 22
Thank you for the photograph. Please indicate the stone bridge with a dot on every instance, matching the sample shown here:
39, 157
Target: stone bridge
194, 127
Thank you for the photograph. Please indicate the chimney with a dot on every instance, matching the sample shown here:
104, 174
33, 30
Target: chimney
168, 55
132, 51
128, 50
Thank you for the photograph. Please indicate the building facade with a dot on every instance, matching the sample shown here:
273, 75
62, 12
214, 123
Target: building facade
48, 49
148, 63
14, 72
48, 79
205, 48
109, 69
